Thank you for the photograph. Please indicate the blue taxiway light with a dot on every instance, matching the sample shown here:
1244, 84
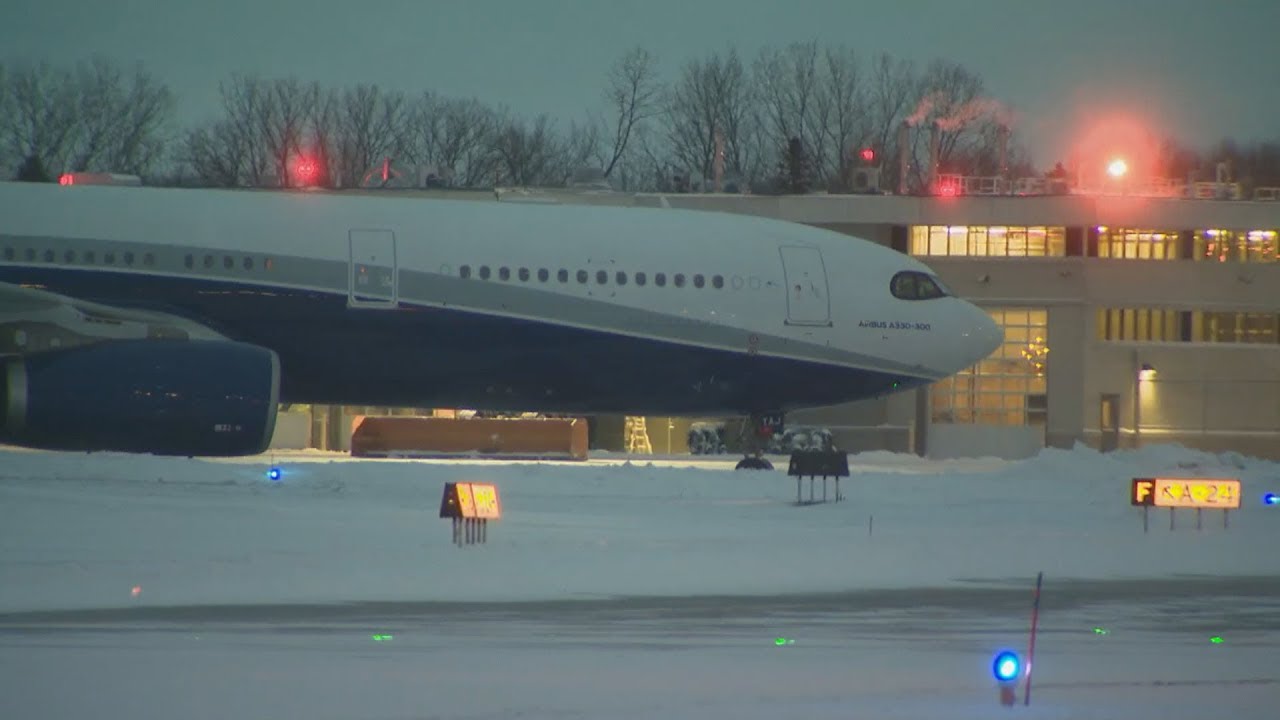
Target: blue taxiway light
274, 474
1006, 666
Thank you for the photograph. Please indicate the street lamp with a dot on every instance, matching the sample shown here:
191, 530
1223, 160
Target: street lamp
1146, 373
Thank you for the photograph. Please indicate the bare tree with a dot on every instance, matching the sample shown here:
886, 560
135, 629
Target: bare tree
843, 109
633, 95
891, 92
583, 146
374, 124
710, 105
281, 123
323, 121
788, 86
951, 98
457, 137
40, 119
218, 154
122, 124
243, 98
530, 154
90, 119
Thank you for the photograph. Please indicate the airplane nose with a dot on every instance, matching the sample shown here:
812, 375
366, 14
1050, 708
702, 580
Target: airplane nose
981, 337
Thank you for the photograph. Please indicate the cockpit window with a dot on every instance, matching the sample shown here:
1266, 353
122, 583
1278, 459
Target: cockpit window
910, 285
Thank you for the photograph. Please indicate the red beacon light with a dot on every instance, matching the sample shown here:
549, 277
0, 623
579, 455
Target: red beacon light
868, 155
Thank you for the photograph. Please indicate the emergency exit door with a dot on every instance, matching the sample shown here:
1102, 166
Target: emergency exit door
807, 300
372, 276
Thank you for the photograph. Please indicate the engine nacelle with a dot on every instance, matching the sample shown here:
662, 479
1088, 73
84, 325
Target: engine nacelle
166, 397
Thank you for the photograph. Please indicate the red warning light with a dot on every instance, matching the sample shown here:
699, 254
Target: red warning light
306, 171
867, 155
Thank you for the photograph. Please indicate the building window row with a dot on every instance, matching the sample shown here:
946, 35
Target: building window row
597, 277
1161, 325
1213, 245
1009, 386
988, 240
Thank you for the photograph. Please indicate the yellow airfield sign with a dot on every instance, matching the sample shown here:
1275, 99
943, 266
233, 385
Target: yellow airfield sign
1212, 493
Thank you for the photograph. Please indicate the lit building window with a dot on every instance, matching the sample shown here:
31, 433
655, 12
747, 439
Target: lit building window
1249, 246
1135, 244
988, 240
1142, 324
1008, 388
1160, 325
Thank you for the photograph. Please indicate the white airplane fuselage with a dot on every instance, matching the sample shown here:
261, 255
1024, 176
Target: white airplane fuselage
419, 302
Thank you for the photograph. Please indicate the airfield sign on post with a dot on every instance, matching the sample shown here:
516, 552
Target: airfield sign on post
1199, 493
471, 506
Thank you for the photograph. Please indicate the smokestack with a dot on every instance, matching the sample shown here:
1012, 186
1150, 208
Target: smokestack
904, 132
931, 172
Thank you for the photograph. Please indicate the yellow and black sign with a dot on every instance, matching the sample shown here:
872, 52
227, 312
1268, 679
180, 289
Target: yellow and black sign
470, 501
1214, 493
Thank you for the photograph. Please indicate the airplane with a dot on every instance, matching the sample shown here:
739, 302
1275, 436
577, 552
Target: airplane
174, 321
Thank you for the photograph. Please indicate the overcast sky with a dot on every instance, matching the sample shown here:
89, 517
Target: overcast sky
1195, 69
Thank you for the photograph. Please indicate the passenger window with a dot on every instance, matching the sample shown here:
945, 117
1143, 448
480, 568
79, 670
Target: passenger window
524, 274
8, 253
128, 258
227, 262
69, 256
48, 256
563, 275
699, 281
582, 277
89, 257
268, 264
208, 261
678, 280
602, 277
717, 282
641, 279
189, 261
543, 275
109, 258
504, 274
660, 279
464, 272
484, 272
621, 278
149, 259
248, 263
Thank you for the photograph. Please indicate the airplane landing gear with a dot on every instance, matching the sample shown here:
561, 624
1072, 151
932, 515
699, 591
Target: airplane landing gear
757, 432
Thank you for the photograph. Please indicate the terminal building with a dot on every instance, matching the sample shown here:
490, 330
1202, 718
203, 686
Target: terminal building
1130, 318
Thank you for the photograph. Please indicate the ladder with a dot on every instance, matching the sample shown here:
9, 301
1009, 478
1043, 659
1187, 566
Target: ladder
636, 436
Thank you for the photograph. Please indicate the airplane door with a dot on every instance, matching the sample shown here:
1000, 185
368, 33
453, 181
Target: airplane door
807, 300
372, 281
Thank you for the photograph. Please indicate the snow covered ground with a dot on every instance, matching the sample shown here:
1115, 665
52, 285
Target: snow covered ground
139, 587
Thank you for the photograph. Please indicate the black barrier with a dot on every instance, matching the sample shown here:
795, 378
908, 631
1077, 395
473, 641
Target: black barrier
815, 463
